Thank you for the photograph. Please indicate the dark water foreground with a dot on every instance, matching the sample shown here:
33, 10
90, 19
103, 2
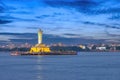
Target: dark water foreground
84, 66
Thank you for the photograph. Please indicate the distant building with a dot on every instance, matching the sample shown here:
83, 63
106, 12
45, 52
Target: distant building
58, 44
100, 48
90, 46
82, 46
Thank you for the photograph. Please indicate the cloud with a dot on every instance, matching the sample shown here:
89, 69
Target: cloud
60, 17
110, 31
32, 28
2, 10
22, 19
1, 7
115, 17
4, 7
115, 10
111, 34
101, 24
47, 39
81, 5
43, 16
11, 37
72, 3
116, 24
5, 21
89, 7
8, 11
9, 19
69, 34
54, 14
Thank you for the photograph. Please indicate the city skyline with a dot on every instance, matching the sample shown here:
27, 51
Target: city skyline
77, 21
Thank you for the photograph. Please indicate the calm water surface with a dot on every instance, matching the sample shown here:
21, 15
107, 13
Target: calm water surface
84, 66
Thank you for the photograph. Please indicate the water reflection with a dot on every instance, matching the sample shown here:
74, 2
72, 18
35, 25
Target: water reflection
39, 68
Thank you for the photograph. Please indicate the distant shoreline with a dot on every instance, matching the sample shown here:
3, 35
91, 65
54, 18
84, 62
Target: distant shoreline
77, 51
58, 48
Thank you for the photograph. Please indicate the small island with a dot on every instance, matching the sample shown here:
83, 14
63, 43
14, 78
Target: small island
42, 49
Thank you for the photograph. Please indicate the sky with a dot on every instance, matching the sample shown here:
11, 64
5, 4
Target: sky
67, 21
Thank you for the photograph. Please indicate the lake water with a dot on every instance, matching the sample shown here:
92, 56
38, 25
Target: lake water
84, 66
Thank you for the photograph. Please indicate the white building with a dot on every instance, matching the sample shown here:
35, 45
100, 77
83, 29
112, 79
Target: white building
101, 48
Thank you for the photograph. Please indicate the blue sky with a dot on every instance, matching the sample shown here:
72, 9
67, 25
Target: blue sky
76, 19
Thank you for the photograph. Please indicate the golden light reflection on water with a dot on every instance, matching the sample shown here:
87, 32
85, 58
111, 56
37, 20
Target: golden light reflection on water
39, 68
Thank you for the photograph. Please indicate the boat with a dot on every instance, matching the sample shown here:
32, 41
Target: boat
14, 53
46, 53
